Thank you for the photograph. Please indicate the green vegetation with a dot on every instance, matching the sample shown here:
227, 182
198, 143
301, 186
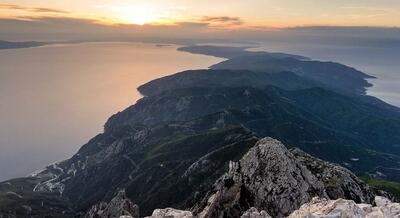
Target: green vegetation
388, 186
169, 148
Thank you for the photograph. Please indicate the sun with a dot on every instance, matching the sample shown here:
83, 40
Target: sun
139, 14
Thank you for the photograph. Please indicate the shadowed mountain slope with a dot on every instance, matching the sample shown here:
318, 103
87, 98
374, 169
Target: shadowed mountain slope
170, 148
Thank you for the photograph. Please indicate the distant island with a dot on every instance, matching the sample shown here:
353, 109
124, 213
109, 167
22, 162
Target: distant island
14, 45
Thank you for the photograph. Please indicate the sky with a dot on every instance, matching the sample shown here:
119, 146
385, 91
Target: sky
226, 13
45, 20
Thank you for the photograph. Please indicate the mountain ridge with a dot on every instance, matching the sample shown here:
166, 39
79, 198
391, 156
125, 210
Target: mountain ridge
170, 148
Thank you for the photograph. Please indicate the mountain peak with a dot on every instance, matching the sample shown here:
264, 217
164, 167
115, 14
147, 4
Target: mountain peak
272, 178
119, 206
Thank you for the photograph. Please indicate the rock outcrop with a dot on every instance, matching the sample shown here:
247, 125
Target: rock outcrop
316, 208
323, 208
254, 213
119, 206
272, 178
171, 213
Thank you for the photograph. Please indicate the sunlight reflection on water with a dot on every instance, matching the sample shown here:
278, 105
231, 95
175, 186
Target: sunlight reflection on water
55, 98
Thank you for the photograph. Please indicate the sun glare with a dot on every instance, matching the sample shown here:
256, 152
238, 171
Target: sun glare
139, 15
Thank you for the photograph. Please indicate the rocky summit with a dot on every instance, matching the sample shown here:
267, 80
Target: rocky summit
254, 213
272, 178
170, 212
320, 208
119, 206
272, 181
323, 208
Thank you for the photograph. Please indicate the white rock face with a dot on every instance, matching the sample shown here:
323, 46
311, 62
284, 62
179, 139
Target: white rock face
382, 201
340, 208
253, 213
171, 213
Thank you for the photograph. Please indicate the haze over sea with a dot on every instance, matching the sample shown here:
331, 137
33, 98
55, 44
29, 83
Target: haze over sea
55, 98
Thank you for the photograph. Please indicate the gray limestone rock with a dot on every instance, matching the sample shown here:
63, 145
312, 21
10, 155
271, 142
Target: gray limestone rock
119, 206
272, 178
340, 208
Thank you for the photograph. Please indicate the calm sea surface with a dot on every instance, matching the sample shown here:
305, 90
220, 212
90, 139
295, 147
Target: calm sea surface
55, 98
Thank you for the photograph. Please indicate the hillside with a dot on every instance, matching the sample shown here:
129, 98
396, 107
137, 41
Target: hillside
204, 133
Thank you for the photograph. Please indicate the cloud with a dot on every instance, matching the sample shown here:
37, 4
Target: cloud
49, 10
368, 9
31, 9
11, 7
59, 27
362, 12
224, 20
192, 24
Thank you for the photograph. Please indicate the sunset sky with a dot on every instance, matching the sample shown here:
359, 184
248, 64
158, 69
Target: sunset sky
220, 13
